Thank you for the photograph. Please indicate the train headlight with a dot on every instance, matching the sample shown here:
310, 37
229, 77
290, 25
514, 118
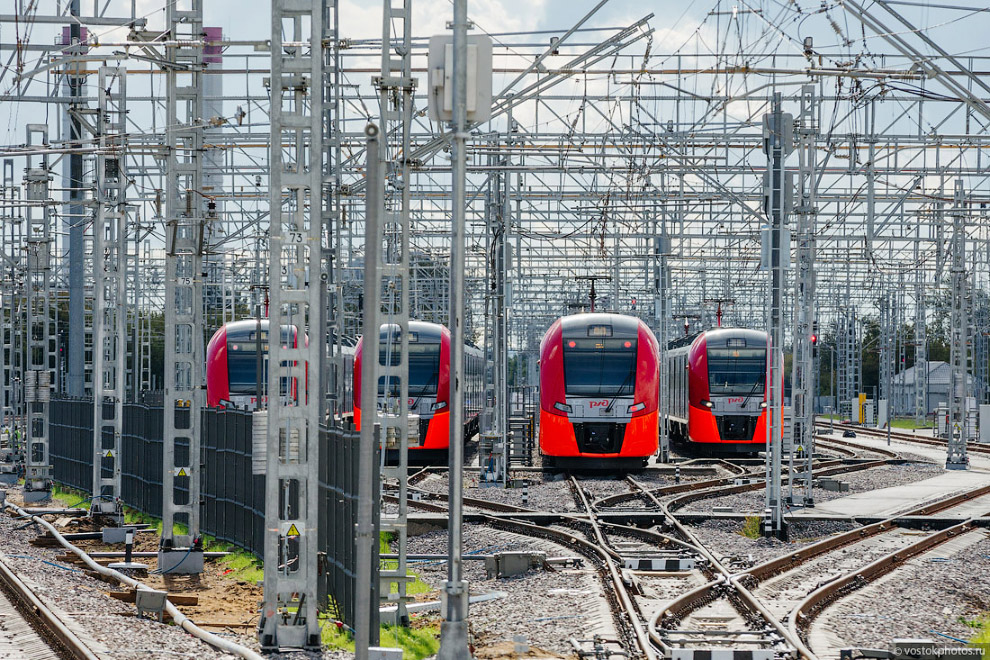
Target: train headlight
563, 407
636, 407
707, 404
439, 405
763, 404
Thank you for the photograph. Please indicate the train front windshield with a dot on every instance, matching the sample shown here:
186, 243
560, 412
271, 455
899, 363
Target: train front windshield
242, 360
424, 369
736, 371
599, 367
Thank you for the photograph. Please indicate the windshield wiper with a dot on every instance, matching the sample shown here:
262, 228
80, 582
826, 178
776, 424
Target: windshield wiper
753, 390
424, 390
629, 375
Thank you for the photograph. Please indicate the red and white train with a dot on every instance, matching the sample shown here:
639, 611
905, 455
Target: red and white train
716, 393
429, 383
232, 358
599, 392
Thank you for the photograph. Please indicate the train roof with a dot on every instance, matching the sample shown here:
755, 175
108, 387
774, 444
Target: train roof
577, 325
426, 333
719, 336
238, 330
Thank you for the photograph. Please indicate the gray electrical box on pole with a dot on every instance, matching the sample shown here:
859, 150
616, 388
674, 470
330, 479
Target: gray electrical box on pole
478, 92
778, 135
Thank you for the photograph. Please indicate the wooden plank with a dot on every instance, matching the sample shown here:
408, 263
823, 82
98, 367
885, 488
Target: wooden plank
176, 599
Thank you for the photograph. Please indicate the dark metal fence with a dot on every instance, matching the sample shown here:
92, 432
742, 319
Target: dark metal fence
233, 504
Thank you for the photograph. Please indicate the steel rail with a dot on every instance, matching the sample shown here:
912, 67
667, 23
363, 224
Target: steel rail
178, 617
634, 615
817, 601
601, 555
778, 565
694, 496
703, 594
36, 613
618, 498
904, 437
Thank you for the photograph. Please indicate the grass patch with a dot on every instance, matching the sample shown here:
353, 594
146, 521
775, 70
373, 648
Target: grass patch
238, 565
413, 587
417, 643
751, 527
910, 423
982, 638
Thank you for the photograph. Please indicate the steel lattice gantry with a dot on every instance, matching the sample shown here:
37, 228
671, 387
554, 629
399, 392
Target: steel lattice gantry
184, 234
957, 428
396, 86
109, 304
297, 336
804, 336
38, 322
11, 364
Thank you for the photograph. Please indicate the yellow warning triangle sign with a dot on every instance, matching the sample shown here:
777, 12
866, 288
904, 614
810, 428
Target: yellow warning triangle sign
292, 530
182, 473
109, 454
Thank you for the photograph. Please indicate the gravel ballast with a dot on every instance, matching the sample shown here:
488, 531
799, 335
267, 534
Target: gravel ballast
545, 607
943, 590
886, 476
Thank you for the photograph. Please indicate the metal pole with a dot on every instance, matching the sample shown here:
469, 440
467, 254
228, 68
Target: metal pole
77, 221
454, 628
777, 146
957, 429
369, 400
831, 387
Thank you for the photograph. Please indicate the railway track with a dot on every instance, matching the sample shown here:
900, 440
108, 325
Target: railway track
902, 437
751, 586
764, 609
29, 630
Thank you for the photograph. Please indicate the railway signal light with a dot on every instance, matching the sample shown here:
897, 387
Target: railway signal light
634, 304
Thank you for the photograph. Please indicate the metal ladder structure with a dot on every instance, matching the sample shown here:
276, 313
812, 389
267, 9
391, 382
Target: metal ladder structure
920, 343
847, 361
499, 446
887, 334
11, 225
296, 327
396, 87
144, 325
184, 232
957, 430
109, 302
38, 335
805, 325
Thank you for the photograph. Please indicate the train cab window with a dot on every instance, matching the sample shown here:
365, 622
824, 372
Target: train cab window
242, 367
424, 368
736, 371
599, 367
242, 360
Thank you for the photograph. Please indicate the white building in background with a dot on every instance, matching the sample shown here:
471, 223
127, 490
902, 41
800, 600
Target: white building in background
937, 391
